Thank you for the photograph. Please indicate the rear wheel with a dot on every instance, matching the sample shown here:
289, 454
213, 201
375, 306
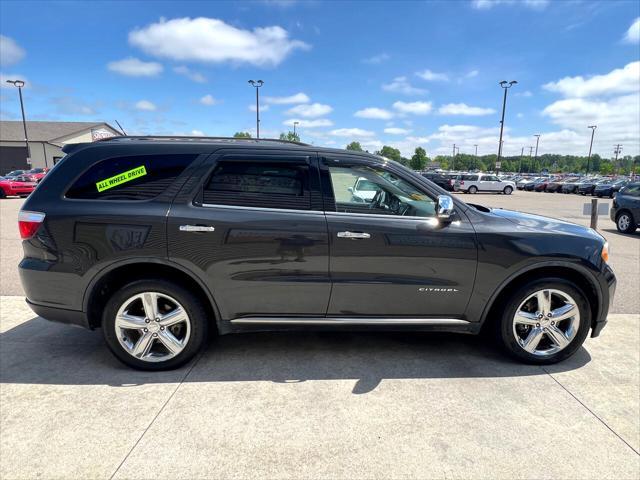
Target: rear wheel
473, 189
625, 222
545, 321
508, 190
154, 325
2, 194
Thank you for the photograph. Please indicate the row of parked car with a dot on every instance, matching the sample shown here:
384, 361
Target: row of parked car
472, 182
20, 183
596, 186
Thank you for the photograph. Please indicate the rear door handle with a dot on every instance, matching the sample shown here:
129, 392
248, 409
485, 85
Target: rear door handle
196, 228
354, 235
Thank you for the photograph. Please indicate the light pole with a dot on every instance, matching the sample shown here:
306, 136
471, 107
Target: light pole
257, 84
530, 162
20, 84
521, 155
593, 131
294, 128
505, 86
535, 159
453, 158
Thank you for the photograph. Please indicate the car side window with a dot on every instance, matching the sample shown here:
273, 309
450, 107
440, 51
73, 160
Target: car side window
489, 178
632, 190
371, 190
259, 184
139, 177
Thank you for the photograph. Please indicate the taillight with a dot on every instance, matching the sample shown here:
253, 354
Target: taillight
461, 182
28, 223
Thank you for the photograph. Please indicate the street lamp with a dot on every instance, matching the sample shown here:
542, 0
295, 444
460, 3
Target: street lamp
505, 86
294, 127
20, 84
257, 84
593, 131
475, 160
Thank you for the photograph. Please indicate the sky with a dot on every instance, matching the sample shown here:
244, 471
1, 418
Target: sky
405, 74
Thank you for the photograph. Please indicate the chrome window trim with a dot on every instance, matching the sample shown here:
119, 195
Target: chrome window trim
378, 215
260, 209
348, 321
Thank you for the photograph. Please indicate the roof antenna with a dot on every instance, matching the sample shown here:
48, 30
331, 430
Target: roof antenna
121, 129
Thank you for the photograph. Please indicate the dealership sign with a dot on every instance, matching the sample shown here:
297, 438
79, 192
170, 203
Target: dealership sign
100, 133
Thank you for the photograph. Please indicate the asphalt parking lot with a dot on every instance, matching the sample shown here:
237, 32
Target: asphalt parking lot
331, 405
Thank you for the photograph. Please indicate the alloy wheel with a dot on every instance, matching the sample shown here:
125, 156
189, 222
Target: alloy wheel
152, 327
623, 222
546, 322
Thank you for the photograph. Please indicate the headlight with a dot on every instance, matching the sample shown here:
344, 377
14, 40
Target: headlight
605, 252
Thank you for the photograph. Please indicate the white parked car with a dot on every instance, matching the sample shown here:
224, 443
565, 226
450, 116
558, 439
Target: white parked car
482, 182
363, 190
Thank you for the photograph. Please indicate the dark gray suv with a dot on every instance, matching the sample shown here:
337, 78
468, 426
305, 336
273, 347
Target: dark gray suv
158, 241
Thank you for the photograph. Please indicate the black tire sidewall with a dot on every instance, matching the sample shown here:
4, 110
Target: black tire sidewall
506, 325
508, 190
472, 189
632, 225
194, 308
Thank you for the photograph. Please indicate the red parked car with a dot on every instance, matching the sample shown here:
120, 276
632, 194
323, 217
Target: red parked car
13, 187
37, 174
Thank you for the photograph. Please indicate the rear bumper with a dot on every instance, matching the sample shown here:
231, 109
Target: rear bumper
61, 315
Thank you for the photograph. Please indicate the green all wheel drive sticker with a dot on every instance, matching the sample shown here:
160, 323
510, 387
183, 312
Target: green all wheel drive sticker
121, 178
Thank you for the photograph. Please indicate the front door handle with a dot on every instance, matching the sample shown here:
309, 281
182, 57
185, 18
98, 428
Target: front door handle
196, 228
354, 235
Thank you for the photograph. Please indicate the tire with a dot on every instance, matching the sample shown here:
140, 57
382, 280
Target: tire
190, 334
625, 223
511, 334
2, 194
472, 189
507, 190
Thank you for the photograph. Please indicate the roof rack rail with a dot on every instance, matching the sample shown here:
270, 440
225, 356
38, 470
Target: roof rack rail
189, 137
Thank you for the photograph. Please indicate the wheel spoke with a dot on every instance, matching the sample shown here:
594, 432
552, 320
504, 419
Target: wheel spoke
178, 315
533, 339
169, 341
526, 318
544, 301
557, 336
143, 345
568, 310
150, 303
130, 322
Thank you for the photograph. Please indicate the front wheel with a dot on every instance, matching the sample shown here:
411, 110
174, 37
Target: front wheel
545, 321
473, 189
625, 223
154, 325
508, 190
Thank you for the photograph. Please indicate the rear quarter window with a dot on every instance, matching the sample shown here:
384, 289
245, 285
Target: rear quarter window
139, 177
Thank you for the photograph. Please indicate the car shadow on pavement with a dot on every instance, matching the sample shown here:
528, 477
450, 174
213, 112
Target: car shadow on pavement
614, 231
40, 352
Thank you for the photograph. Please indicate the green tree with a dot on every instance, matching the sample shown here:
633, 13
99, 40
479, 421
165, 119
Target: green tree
290, 136
606, 168
419, 159
355, 146
390, 153
242, 135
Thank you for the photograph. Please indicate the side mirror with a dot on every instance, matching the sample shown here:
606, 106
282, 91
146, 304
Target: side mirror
444, 207
350, 189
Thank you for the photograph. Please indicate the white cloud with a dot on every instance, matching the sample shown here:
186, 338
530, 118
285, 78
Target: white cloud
415, 108
208, 100
374, 112
488, 4
620, 80
432, 76
351, 132
526, 93
68, 105
197, 133
146, 106
211, 40
320, 122
472, 74
633, 34
190, 74
263, 108
291, 99
377, 59
10, 52
402, 85
12, 76
464, 109
310, 110
133, 67
396, 131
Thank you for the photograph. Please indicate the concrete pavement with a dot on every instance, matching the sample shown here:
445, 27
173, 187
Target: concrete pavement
340, 405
